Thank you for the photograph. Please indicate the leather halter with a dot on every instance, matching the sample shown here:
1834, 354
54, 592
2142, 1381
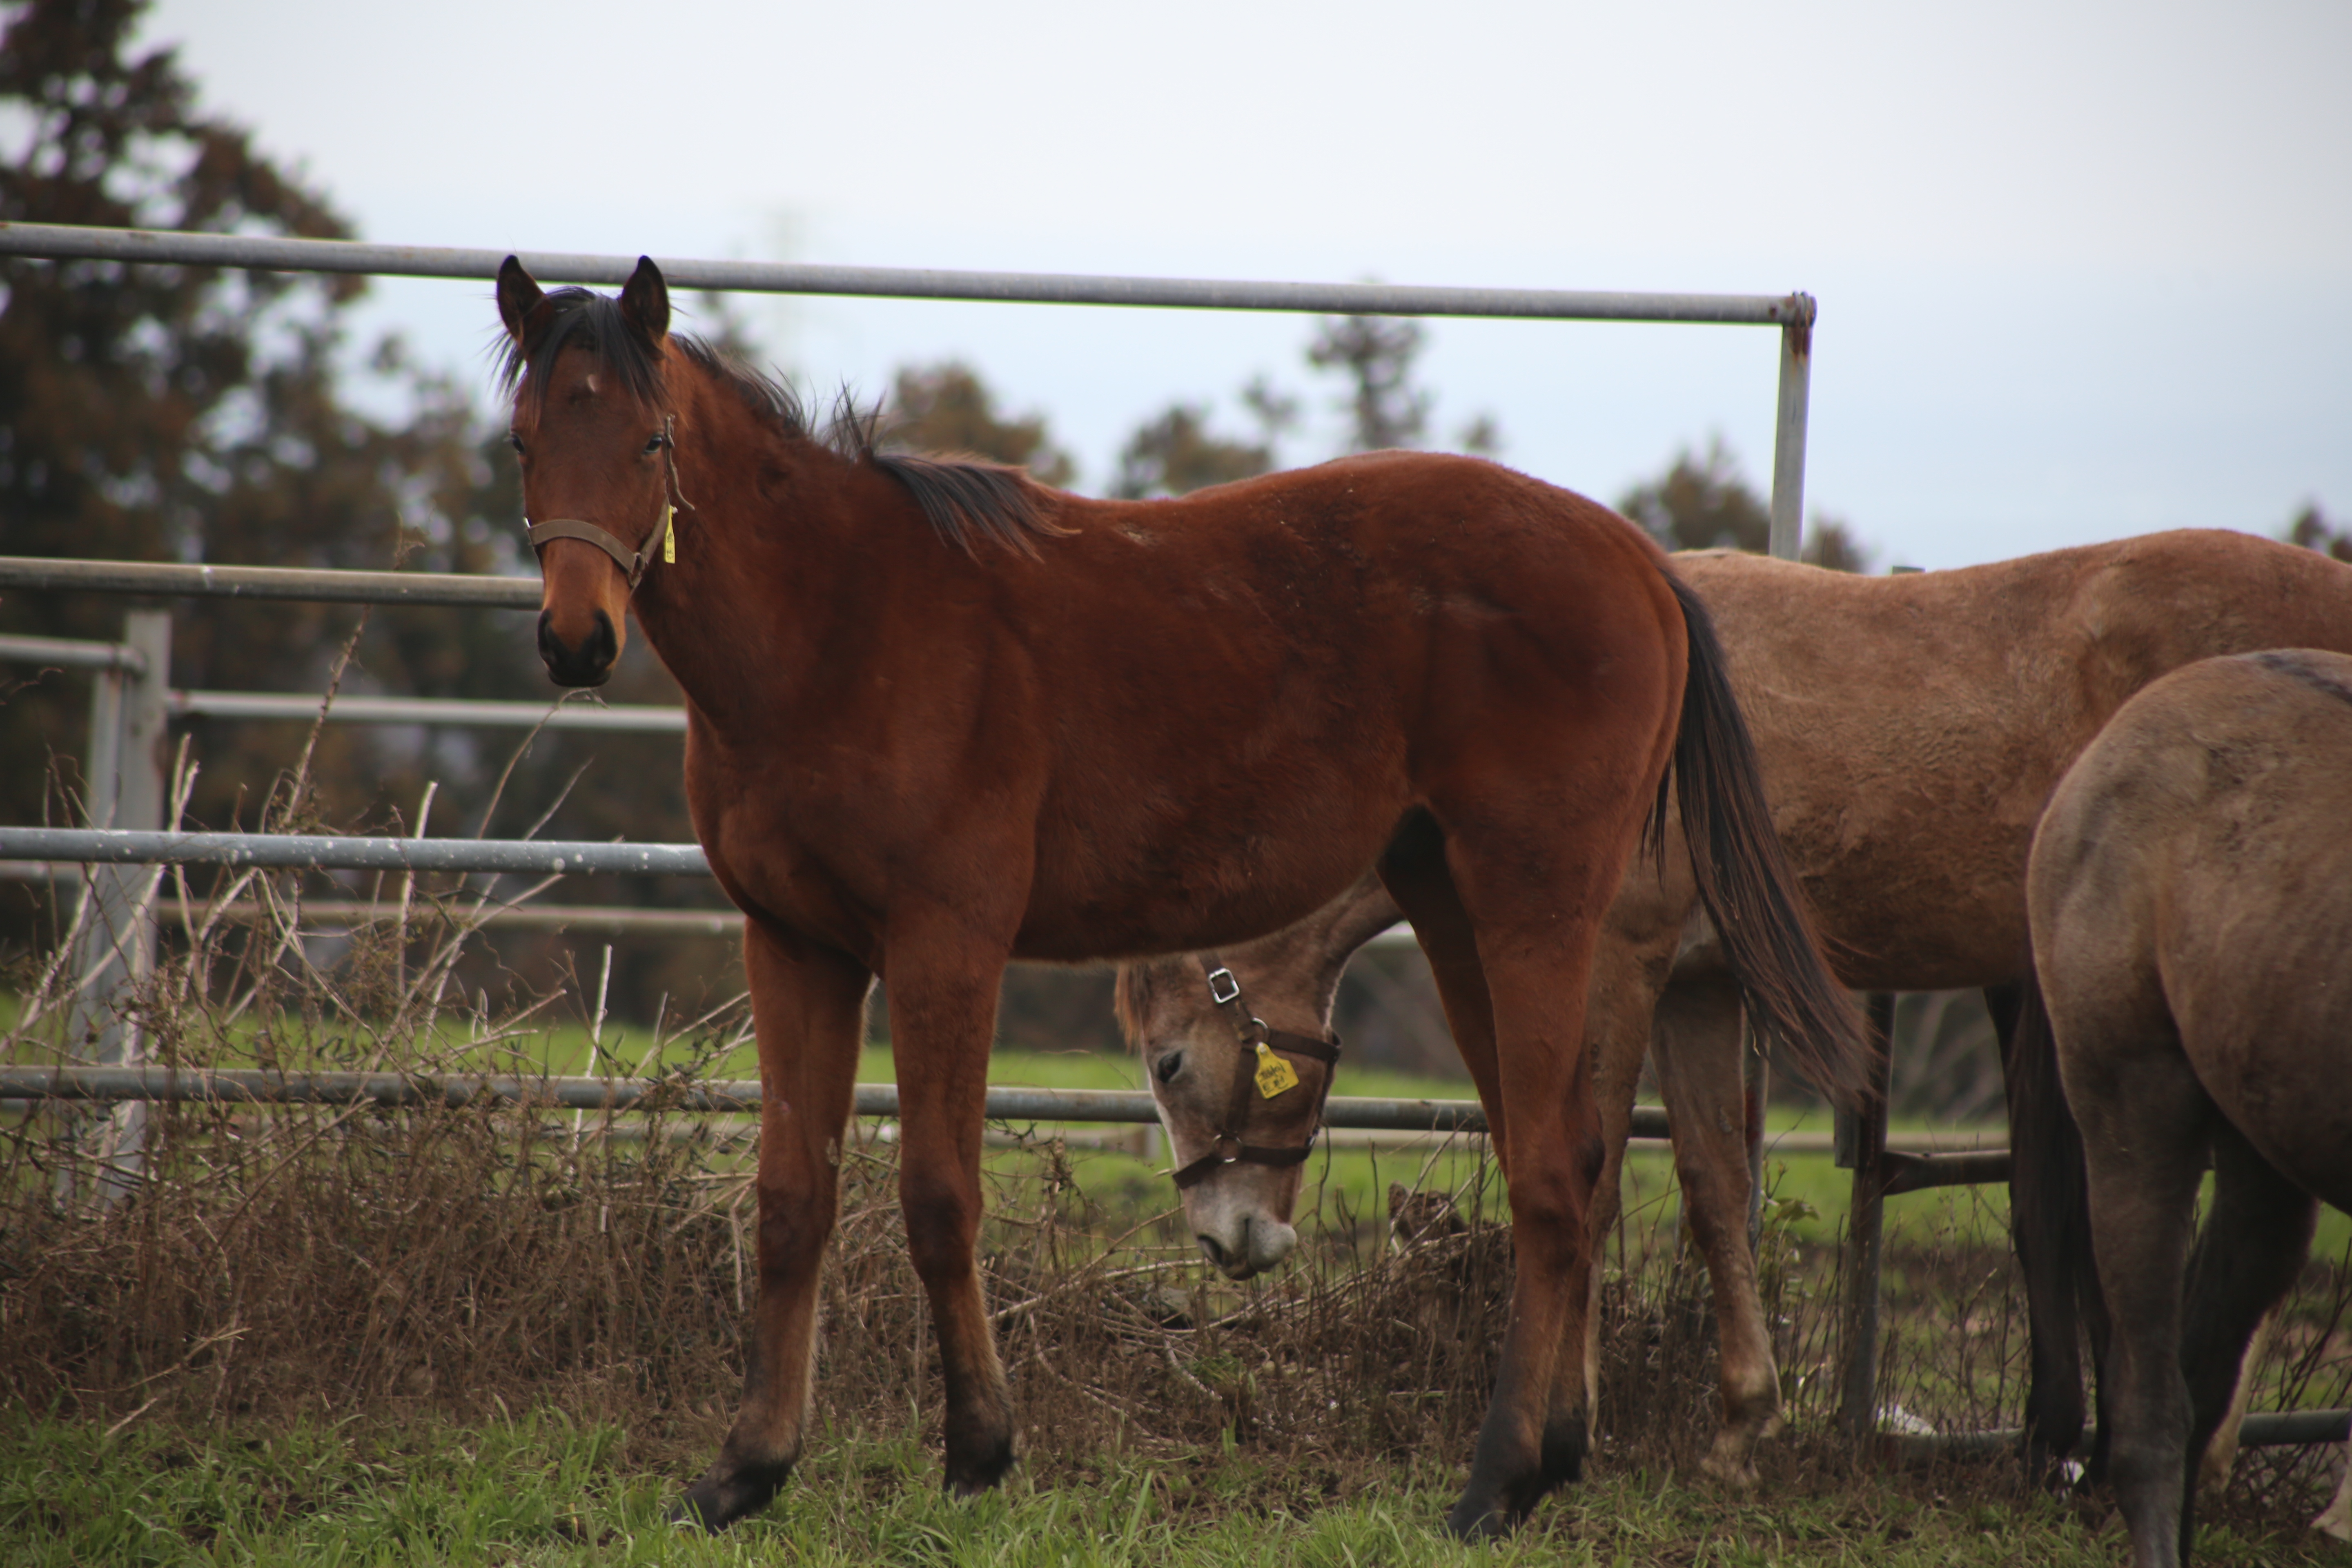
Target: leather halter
1252, 1033
632, 562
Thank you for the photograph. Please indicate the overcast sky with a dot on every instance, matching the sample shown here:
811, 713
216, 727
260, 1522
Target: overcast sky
2084, 270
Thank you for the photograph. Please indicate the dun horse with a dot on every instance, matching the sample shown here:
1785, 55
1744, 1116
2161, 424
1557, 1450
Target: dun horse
940, 717
2191, 893
1911, 728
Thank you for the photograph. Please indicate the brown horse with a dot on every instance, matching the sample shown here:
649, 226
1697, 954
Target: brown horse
2191, 893
940, 717
1911, 728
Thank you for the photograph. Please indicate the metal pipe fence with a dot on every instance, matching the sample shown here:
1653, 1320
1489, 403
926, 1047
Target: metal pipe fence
151, 247
637, 717
318, 851
135, 804
1005, 1103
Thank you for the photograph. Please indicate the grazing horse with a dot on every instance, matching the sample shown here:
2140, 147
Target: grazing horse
2190, 894
938, 717
1911, 728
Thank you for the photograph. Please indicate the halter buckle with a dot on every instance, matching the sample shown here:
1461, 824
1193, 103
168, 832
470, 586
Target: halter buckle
1223, 986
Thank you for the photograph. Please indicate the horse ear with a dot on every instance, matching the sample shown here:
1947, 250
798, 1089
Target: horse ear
519, 296
645, 300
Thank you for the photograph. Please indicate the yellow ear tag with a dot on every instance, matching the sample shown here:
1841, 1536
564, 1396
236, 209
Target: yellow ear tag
669, 534
1275, 1076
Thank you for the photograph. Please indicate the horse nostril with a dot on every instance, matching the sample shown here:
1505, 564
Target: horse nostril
1211, 1250
602, 648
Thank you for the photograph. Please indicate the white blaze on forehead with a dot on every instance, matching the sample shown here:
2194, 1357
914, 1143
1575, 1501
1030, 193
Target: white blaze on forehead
592, 383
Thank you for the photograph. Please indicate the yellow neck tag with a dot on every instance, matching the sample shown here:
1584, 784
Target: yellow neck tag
1275, 1076
669, 534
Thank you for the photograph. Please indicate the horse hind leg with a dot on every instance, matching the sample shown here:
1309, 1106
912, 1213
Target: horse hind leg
2254, 1245
1415, 871
2215, 1466
2046, 1210
1618, 1011
2145, 1122
2336, 1519
1534, 892
808, 1010
1698, 1054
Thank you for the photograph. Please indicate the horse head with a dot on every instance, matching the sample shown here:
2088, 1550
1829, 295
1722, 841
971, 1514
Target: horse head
592, 428
1239, 1150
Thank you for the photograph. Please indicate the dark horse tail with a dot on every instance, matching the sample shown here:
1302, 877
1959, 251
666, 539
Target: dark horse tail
2049, 1224
1745, 881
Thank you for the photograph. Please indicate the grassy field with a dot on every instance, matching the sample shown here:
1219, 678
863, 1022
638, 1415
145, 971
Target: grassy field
449, 1335
541, 1491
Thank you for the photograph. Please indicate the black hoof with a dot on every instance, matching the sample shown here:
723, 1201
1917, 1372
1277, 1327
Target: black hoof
718, 1500
1490, 1512
1565, 1444
1472, 1521
970, 1474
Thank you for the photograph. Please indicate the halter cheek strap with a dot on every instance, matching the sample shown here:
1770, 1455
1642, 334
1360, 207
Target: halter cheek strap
1258, 1044
632, 562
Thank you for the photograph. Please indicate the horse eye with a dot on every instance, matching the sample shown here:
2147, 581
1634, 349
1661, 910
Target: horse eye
655, 444
1168, 1067
514, 440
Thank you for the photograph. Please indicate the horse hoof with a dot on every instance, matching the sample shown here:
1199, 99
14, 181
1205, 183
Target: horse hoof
717, 1500
1730, 1471
969, 1475
1480, 1522
1565, 1444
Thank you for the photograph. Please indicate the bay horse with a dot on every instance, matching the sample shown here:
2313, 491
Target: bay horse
940, 717
1911, 728
2190, 895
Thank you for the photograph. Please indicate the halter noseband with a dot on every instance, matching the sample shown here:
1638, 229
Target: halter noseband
1256, 1042
632, 563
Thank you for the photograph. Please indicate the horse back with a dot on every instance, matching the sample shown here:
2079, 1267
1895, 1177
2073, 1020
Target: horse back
1912, 727
1212, 713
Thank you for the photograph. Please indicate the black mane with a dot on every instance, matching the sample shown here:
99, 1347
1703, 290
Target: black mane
965, 500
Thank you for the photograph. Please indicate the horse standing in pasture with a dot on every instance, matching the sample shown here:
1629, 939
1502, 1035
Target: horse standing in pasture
940, 717
2190, 893
1911, 729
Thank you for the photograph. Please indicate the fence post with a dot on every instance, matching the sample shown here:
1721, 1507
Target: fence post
1862, 1147
116, 948
1786, 543
1788, 534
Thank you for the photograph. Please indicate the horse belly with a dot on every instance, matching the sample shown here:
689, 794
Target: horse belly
1202, 886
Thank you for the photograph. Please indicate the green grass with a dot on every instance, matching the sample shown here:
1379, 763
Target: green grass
541, 1490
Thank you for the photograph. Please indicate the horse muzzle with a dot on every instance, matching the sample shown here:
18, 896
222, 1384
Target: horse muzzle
587, 662
1251, 1244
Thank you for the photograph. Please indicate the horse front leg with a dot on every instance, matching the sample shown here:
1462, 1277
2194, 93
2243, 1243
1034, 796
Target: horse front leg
942, 1016
808, 1008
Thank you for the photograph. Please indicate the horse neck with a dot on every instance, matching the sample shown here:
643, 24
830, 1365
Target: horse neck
757, 593
1313, 953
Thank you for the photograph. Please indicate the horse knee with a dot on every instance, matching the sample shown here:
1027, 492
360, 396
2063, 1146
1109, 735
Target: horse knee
791, 1232
942, 1227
